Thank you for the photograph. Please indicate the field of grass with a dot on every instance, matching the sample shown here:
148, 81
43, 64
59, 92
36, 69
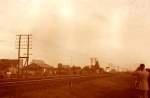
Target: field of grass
115, 86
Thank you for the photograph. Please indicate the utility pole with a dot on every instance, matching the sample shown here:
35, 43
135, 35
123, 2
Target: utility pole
24, 45
19, 43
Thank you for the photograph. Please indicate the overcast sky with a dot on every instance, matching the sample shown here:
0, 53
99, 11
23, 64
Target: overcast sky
116, 32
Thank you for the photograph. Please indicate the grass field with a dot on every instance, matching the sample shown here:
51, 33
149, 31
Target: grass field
114, 86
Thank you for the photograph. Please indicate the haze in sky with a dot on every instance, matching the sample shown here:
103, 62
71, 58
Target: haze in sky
72, 31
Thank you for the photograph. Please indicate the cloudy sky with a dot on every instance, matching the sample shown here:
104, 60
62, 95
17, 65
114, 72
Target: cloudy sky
68, 31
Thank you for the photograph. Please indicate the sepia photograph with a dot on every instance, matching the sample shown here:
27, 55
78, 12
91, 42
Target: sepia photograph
74, 48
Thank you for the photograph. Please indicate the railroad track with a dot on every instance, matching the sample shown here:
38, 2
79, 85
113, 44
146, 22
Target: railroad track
13, 83
9, 89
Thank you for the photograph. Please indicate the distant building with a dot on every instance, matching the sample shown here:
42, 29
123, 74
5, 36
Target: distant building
38, 67
40, 62
60, 66
9, 66
76, 70
63, 69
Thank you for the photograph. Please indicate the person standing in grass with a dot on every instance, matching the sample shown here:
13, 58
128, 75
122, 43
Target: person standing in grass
148, 82
142, 86
135, 78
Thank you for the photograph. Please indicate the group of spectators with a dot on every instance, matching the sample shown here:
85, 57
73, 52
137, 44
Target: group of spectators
142, 82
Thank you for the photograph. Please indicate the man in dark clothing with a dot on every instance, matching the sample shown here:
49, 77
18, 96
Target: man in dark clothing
148, 82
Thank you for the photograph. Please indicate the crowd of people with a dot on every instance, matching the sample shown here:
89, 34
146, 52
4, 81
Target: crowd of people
142, 82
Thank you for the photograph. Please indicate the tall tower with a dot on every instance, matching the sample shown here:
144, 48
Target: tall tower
24, 45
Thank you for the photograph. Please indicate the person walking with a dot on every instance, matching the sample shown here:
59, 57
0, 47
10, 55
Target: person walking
142, 86
148, 82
